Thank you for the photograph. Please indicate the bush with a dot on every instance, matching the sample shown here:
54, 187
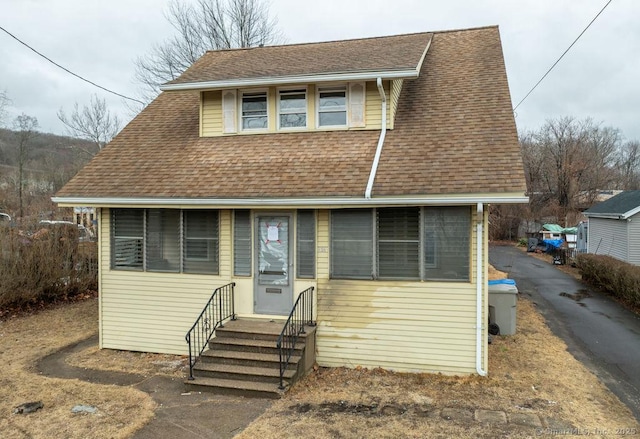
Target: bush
46, 266
618, 278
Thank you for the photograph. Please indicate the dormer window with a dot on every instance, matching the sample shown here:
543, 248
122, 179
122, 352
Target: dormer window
254, 111
292, 108
332, 107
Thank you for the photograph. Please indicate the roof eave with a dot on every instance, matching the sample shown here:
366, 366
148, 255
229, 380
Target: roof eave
440, 200
616, 216
296, 79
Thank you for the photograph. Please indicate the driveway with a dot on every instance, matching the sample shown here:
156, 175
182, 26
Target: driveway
599, 332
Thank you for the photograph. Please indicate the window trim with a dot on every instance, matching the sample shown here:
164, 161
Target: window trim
292, 90
241, 116
332, 88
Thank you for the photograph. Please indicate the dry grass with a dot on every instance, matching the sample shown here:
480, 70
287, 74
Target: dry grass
139, 362
529, 372
24, 340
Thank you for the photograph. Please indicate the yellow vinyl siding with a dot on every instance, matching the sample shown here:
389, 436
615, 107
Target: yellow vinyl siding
151, 312
404, 326
211, 122
373, 105
211, 110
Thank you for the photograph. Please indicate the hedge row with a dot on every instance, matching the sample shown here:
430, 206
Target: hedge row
48, 266
618, 278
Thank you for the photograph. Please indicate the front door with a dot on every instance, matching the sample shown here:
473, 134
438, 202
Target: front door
273, 290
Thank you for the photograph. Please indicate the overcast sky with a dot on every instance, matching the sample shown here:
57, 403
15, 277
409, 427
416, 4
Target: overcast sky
97, 39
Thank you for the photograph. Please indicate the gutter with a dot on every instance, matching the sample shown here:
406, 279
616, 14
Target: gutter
479, 290
428, 200
383, 133
296, 79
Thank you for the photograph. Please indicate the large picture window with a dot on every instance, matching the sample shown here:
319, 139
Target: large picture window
429, 243
168, 240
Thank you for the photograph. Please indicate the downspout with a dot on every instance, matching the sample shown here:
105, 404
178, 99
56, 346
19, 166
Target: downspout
383, 133
479, 289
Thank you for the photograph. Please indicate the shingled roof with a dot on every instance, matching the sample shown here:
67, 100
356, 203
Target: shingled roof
454, 134
621, 206
394, 53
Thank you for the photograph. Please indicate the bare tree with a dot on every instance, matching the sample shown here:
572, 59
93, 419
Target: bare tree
567, 162
628, 165
94, 123
205, 25
26, 129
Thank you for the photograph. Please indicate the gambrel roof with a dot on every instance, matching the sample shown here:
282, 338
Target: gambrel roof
454, 132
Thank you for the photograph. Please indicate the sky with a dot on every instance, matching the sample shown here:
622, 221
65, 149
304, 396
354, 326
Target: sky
99, 40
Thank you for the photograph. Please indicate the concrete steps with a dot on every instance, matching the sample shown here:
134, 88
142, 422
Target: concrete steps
242, 359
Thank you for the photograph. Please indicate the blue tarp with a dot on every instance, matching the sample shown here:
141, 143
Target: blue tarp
553, 243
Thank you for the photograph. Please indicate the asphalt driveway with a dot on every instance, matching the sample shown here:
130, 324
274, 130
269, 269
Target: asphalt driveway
599, 332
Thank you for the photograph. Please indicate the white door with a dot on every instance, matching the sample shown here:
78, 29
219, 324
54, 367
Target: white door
273, 278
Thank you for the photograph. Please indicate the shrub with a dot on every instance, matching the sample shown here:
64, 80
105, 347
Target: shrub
618, 278
46, 266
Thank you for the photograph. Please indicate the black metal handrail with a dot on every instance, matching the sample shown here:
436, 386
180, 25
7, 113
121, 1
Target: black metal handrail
220, 307
301, 314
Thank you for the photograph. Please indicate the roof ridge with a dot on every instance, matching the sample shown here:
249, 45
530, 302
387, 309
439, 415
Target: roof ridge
311, 43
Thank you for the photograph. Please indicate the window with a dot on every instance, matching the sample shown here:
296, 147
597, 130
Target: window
201, 246
429, 243
447, 237
242, 243
127, 239
293, 109
168, 240
306, 244
254, 111
352, 244
399, 243
332, 107
162, 248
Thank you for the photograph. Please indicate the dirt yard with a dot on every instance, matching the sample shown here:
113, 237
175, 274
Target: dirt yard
529, 373
120, 410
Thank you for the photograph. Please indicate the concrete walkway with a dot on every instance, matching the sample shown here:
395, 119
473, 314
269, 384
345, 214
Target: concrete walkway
195, 415
599, 332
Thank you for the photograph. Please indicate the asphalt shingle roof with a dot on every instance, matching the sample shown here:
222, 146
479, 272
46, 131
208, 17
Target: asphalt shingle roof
454, 134
399, 52
617, 205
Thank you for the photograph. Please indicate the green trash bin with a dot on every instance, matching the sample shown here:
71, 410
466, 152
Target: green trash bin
503, 297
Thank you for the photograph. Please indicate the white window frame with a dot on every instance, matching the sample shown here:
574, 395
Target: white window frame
244, 93
332, 88
292, 90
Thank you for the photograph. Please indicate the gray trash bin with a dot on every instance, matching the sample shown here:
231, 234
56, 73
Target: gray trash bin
503, 296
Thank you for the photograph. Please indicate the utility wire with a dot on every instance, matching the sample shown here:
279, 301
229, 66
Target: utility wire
562, 56
67, 70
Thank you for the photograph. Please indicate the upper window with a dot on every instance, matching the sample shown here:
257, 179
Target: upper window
292, 109
332, 107
254, 111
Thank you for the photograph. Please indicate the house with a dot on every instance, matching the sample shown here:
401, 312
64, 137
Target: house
614, 227
362, 168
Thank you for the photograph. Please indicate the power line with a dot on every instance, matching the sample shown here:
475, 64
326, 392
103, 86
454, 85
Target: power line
562, 56
67, 70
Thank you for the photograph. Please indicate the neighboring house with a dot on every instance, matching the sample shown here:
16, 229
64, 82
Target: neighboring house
362, 168
614, 227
